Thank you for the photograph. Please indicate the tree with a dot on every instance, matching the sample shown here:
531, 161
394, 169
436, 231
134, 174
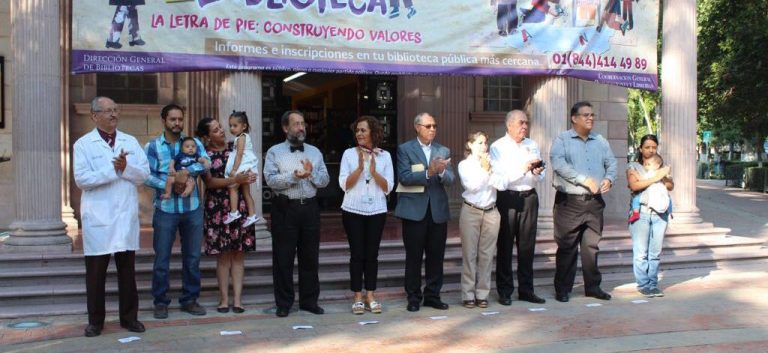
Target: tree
733, 77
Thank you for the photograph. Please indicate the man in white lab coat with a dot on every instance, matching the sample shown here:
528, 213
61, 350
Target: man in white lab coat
109, 167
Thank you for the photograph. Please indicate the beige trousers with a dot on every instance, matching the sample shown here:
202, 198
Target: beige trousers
479, 230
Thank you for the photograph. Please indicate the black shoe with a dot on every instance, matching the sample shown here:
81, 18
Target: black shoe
193, 308
562, 297
315, 309
599, 294
135, 326
282, 311
238, 309
137, 42
503, 33
505, 301
413, 307
92, 330
533, 298
161, 311
223, 310
115, 45
436, 303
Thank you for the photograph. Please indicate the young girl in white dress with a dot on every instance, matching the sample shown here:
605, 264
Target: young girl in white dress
242, 159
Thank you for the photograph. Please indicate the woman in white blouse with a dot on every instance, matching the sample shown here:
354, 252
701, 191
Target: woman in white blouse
479, 221
366, 176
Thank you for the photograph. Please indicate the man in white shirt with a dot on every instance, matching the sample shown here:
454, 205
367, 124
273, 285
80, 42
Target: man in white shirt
516, 160
109, 165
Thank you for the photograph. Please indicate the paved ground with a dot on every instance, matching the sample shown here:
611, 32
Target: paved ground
705, 310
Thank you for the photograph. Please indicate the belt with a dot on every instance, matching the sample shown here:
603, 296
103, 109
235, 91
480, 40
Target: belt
301, 201
489, 208
580, 197
524, 193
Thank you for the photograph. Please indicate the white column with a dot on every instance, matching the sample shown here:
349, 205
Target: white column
38, 225
241, 91
67, 212
549, 117
678, 101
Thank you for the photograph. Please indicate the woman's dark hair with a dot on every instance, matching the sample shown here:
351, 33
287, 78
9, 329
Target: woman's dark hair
204, 127
471, 137
240, 116
651, 137
377, 132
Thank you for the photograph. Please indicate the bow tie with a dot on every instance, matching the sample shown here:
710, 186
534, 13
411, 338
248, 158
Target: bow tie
296, 148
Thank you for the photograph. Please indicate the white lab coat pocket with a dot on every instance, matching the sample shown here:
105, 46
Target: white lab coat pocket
97, 214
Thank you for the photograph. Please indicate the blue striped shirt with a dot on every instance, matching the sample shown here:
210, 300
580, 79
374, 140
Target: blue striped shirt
159, 154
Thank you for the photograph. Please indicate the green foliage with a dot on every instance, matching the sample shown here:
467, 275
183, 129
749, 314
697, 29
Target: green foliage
732, 72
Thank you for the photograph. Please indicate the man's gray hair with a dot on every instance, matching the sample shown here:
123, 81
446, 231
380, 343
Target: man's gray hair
512, 115
95, 107
417, 120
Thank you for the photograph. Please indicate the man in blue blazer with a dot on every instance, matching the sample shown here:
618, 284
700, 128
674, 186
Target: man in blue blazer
424, 170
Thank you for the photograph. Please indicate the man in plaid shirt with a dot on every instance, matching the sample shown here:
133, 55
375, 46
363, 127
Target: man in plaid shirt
175, 213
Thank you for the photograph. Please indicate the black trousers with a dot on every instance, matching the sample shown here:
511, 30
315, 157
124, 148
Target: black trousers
424, 239
519, 214
506, 17
295, 231
364, 236
95, 278
578, 223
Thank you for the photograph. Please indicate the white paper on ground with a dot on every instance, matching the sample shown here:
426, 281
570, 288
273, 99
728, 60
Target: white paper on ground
537, 309
302, 327
368, 322
639, 301
438, 317
487, 313
129, 339
592, 305
231, 333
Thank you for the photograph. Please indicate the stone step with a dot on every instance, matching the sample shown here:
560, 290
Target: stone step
259, 283
71, 270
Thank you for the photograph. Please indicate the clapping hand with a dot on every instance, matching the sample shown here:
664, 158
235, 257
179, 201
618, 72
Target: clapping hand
307, 165
120, 162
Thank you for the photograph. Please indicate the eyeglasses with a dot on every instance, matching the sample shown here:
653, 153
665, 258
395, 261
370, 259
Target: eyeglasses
108, 111
429, 126
587, 115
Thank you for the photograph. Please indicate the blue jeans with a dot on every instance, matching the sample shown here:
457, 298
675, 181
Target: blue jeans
190, 227
647, 238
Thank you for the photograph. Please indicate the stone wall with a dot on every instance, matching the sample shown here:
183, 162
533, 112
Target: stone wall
7, 202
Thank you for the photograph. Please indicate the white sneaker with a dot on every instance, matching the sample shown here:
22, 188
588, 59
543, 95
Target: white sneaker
250, 221
231, 217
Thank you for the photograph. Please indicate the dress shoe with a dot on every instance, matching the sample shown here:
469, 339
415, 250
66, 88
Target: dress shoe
413, 307
193, 308
137, 42
599, 294
533, 298
482, 303
135, 326
161, 311
282, 311
436, 303
114, 45
315, 309
92, 331
562, 297
238, 309
505, 301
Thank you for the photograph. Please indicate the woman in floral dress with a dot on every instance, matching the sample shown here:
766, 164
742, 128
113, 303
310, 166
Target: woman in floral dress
228, 243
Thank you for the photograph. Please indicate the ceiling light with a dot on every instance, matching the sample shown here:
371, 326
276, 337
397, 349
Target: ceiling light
294, 76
